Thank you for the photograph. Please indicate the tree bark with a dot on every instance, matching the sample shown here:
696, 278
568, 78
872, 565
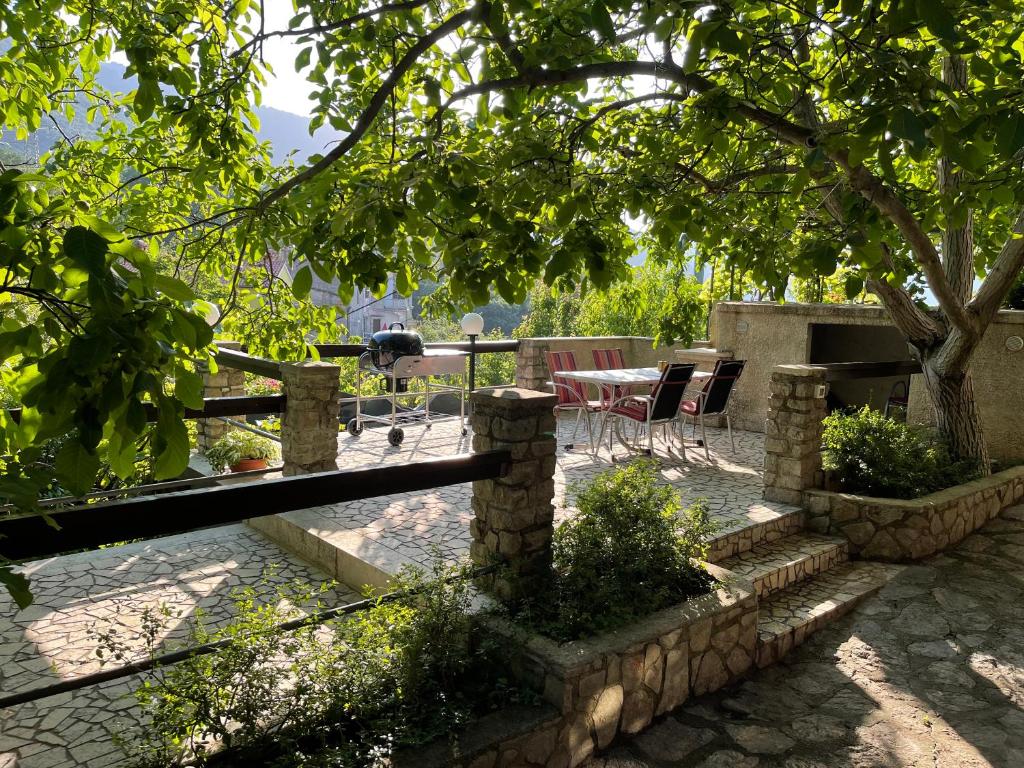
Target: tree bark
956, 411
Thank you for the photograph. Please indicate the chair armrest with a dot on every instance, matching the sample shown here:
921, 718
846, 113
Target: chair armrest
570, 390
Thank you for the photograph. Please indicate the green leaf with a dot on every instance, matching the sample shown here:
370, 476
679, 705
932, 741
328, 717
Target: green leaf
172, 443
302, 60
302, 282
938, 19
906, 125
17, 586
851, 7
86, 249
854, 286
173, 288
121, 454
602, 21
188, 387
76, 467
1010, 134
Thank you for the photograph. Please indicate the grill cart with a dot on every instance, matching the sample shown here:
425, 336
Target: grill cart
397, 369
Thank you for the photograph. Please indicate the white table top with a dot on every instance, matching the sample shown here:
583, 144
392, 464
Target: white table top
623, 376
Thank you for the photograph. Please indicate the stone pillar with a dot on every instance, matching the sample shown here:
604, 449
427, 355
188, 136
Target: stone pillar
309, 424
531, 367
514, 514
226, 382
792, 446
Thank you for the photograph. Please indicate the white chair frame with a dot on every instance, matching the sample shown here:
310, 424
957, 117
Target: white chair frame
648, 424
582, 410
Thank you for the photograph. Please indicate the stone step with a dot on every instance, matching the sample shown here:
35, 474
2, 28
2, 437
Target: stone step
783, 562
788, 618
761, 524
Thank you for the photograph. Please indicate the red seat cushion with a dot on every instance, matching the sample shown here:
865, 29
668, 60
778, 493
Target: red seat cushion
689, 407
631, 410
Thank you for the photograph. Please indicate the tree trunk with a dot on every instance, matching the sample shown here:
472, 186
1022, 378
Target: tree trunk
956, 412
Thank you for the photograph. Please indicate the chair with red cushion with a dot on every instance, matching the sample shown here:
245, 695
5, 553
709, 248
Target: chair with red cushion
572, 394
611, 360
713, 399
660, 408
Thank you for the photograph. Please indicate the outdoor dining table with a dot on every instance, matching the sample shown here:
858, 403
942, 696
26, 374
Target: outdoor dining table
622, 377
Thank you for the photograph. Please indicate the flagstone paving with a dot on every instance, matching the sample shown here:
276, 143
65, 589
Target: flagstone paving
928, 673
417, 526
78, 596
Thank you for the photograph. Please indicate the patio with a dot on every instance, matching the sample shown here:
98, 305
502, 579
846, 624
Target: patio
375, 537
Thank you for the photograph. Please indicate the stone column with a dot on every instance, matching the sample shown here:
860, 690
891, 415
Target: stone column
309, 424
792, 446
226, 382
531, 367
514, 514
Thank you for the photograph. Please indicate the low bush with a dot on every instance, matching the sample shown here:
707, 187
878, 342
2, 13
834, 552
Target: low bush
630, 550
346, 693
873, 455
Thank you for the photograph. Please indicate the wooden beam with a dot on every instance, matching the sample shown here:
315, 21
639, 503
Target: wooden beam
261, 366
244, 405
32, 536
482, 347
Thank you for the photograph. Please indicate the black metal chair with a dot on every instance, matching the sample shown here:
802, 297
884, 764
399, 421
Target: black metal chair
660, 408
713, 400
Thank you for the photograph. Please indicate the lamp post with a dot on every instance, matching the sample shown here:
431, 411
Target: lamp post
472, 325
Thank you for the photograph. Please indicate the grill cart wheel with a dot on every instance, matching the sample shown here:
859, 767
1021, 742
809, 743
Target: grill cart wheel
395, 436
465, 431
353, 427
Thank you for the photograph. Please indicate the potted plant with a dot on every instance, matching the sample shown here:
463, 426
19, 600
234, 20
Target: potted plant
241, 452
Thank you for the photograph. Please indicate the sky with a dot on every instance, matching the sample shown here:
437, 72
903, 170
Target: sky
286, 90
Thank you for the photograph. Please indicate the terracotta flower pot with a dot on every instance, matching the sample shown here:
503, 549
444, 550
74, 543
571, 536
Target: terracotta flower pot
247, 465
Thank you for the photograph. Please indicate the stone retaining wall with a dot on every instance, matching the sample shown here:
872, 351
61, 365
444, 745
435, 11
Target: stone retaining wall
620, 681
895, 530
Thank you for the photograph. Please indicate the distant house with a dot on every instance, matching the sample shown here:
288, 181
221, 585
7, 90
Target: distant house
364, 314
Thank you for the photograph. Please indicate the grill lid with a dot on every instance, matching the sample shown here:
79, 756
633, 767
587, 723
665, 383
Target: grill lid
387, 346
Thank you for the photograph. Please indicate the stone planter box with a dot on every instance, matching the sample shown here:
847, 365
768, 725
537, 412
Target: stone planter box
620, 681
897, 530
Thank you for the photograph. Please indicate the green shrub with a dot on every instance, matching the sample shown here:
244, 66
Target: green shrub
237, 445
629, 551
347, 693
874, 455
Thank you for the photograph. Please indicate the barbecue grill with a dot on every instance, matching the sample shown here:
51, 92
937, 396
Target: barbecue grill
397, 356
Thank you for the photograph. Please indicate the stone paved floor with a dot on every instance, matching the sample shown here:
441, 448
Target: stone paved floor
929, 673
417, 525
77, 595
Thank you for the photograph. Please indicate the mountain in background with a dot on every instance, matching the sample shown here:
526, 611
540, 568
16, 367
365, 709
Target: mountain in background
285, 131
